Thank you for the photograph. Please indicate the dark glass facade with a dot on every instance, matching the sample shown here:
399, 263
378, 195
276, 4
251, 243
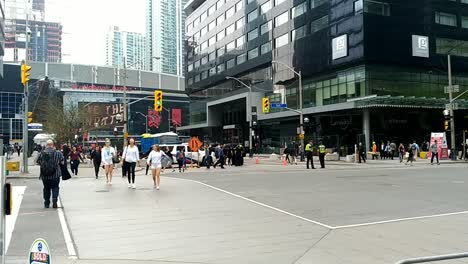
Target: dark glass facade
379, 50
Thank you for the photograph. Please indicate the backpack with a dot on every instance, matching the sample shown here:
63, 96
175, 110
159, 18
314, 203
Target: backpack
48, 166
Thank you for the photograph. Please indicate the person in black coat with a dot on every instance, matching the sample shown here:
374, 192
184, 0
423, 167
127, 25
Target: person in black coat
96, 156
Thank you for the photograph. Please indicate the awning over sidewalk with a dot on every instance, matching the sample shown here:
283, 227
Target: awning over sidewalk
408, 102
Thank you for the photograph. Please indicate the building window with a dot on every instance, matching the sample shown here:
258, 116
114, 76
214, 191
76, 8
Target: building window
253, 53
264, 28
252, 34
230, 63
197, 78
197, 64
454, 46
239, 5
203, 31
220, 68
219, 4
241, 58
250, 1
265, 7
299, 10
211, 10
204, 60
221, 35
190, 27
277, 2
281, 40
190, 81
230, 29
464, 1
204, 46
240, 23
221, 51
213, 71
317, 3
220, 19
230, 46
230, 12
252, 15
377, 8
212, 25
212, 56
319, 24
204, 75
240, 41
203, 16
265, 48
190, 67
446, 19
212, 41
298, 33
464, 21
358, 6
196, 22
281, 19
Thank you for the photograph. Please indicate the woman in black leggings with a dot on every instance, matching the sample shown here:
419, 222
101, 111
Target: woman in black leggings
131, 157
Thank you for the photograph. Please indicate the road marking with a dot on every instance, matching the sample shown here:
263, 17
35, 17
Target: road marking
259, 203
18, 192
66, 232
400, 220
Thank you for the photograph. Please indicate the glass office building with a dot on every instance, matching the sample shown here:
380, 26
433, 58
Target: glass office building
367, 73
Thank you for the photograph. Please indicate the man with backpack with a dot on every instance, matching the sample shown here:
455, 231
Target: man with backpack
50, 172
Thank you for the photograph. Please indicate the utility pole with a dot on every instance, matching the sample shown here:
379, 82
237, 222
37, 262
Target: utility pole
125, 115
452, 115
26, 102
301, 121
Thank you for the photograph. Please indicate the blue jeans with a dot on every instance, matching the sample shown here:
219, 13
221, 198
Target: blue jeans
51, 185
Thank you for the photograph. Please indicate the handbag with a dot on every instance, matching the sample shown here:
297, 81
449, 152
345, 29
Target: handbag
115, 159
65, 173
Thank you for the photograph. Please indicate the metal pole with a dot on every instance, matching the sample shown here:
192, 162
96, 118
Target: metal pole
250, 122
301, 121
2, 208
464, 145
452, 114
125, 129
26, 108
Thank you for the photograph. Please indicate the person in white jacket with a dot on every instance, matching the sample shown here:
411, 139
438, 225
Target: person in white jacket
155, 162
108, 153
130, 157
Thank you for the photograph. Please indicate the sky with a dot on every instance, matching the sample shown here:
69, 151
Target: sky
86, 22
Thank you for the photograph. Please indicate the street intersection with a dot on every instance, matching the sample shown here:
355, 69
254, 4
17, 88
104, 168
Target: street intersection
259, 213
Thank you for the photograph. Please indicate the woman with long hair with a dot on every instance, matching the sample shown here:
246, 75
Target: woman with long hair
130, 157
97, 160
108, 154
154, 160
75, 157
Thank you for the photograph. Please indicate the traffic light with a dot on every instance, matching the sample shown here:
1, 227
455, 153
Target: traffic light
25, 72
30, 114
446, 125
158, 99
266, 105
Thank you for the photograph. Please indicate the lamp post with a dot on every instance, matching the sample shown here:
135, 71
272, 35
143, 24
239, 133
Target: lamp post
249, 107
146, 118
301, 114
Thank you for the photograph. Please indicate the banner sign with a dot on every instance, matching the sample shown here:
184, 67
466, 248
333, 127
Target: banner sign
102, 114
442, 148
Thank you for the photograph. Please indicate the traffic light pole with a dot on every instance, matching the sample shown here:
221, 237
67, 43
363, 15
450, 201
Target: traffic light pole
125, 115
26, 104
452, 114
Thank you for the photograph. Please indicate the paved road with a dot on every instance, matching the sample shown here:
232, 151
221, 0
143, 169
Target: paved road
266, 214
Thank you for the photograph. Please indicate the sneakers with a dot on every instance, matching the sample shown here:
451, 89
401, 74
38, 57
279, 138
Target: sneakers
129, 185
157, 187
133, 186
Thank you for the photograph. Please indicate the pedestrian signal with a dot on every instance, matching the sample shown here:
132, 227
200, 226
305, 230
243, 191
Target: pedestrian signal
158, 95
266, 105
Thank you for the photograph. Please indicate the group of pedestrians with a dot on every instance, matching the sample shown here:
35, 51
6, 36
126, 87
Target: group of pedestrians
309, 150
223, 155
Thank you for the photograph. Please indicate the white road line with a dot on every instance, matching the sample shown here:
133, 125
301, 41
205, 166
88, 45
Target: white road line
258, 203
66, 232
400, 220
18, 192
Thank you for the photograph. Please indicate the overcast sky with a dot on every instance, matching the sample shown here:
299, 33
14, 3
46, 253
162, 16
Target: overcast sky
85, 23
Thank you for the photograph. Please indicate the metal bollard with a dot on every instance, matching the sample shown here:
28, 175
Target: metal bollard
434, 258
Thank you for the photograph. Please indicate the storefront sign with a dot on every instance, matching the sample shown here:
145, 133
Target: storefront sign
102, 114
442, 148
340, 47
420, 46
100, 87
39, 252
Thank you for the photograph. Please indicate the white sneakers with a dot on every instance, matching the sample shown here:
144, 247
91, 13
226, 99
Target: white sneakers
129, 185
133, 186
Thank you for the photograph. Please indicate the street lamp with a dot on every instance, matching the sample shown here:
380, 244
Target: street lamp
146, 118
301, 113
249, 107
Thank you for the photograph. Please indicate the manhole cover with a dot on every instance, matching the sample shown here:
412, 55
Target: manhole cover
102, 191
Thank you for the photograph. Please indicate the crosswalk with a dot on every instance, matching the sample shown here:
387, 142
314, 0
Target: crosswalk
18, 192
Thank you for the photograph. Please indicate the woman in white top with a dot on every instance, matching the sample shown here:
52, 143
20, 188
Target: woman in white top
130, 157
108, 153
155, 162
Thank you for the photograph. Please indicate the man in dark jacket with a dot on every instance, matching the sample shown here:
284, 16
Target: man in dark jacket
97, 158
219, 153
50, 160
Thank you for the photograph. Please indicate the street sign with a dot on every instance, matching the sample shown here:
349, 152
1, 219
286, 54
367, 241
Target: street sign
194, 144
276, 105
35, 127
454, 89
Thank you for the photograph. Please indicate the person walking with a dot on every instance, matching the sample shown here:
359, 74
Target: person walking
108, 155
293, 153
392, 150
66, 153
374, 151
131, 157
75, 157
50, 161
382, 150
435, 152
309, 155
401, 152
97, 160
220, 155
410, 154
155, 161
180, 156
322, 155
362, 152
387, 150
